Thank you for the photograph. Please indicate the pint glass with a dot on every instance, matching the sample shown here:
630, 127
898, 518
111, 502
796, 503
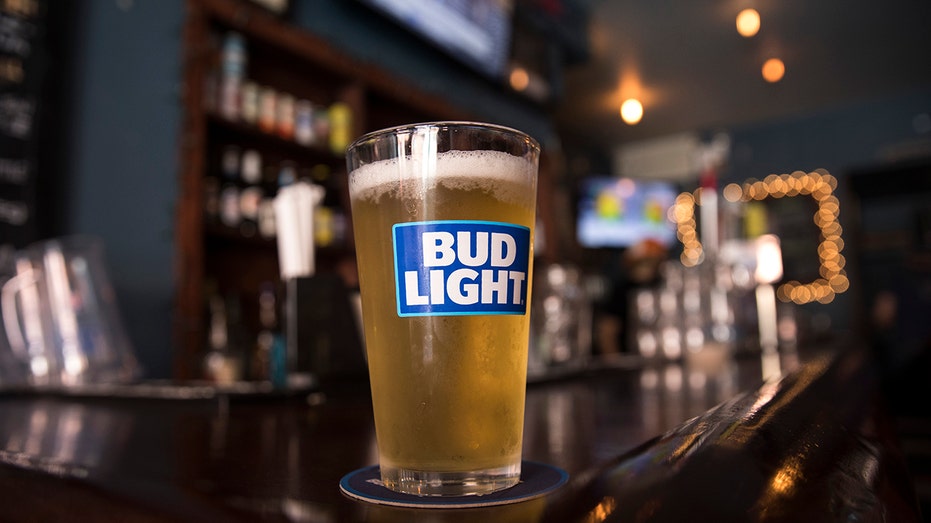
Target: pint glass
443, 217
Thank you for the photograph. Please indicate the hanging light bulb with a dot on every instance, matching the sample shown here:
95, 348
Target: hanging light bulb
631, 111
748, 22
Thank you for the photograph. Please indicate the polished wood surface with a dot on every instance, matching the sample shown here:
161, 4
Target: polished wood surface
639, 443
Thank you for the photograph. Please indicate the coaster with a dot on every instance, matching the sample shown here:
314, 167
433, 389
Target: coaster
536, 479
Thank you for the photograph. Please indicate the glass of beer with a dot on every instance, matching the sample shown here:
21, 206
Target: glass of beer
443, 217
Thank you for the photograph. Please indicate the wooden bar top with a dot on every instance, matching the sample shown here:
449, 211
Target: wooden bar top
640, 443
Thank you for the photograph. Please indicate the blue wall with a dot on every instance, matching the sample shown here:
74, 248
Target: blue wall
840, 139
122, 150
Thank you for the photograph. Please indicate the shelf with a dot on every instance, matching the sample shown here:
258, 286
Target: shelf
290, 60
240, 132
215, 232
218, 233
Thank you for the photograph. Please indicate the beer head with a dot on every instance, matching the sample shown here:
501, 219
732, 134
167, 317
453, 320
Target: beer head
427, 139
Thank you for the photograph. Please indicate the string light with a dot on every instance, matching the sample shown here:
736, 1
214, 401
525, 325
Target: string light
683, 214
732, 192
820, 186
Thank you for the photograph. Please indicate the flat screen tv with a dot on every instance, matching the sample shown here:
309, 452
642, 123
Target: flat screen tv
476, 32
621, 212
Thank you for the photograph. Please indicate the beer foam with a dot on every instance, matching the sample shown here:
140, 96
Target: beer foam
454, 170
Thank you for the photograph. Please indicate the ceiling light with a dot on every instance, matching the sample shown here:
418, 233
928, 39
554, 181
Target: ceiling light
748, 22
773, 70
631, 111
519, 79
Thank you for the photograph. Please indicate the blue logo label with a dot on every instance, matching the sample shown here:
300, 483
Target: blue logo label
446, 268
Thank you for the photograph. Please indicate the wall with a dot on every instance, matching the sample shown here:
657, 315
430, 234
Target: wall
839, 140
121, 151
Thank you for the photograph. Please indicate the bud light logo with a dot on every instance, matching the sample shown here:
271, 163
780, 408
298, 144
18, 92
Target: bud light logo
446, 268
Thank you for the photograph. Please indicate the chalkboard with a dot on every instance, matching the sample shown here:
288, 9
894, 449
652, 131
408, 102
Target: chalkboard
23, 74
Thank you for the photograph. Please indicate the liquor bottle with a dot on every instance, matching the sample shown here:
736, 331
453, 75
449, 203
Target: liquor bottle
250, 199
232, 74
251, 167
340, 116
304, 132
284, 118
229, 162
268, 357
287, 174
268, 109
221, 366
230, 213
249, 111
229, 195
268, 228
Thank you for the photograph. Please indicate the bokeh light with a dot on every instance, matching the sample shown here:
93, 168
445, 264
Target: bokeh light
519, 79
773, 70
748, 22
631, 111
820, 185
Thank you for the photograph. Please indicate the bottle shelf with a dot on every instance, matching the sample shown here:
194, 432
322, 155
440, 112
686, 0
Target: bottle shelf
287, 59
225, 130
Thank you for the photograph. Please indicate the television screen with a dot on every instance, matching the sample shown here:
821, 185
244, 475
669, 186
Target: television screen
477, 32
620, 212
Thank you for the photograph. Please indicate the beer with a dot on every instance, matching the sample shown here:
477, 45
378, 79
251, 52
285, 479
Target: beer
447, 387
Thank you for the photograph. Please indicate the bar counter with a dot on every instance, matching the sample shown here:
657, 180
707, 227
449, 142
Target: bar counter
669, 442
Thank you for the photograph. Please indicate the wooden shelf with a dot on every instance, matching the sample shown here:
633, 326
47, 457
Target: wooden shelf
224, 129
291, 60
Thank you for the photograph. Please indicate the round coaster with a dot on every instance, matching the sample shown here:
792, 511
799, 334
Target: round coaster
536, 479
